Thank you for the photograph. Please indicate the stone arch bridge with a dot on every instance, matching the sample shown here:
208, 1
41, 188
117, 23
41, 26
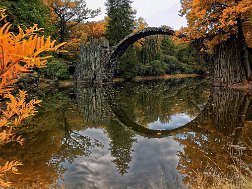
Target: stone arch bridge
97, 59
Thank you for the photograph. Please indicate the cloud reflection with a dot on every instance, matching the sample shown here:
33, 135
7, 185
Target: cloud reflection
150, 159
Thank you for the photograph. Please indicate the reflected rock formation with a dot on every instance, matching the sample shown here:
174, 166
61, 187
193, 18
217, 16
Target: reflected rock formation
93, 104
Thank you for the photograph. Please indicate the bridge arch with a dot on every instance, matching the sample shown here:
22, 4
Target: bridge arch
146, 132
118, 50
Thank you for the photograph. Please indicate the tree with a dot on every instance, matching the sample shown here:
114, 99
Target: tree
97, 29
81, 33
219, 19
69, 13
128, 65
150, 50
140, 24
168, 47
120, 20
120, 24
26, 12
225, 26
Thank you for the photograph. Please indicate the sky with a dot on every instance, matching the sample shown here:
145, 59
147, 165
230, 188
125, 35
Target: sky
155, 12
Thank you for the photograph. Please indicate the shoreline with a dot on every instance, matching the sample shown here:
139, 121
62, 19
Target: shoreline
245, 86
163, 77
47, 83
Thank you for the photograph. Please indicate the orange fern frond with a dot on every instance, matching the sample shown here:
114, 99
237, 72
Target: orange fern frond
2, 14
19, 53
11, 167
17, 109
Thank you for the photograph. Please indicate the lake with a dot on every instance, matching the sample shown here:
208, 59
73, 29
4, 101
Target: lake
159, 134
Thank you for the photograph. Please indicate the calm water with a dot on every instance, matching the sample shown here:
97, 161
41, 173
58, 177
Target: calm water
155, 134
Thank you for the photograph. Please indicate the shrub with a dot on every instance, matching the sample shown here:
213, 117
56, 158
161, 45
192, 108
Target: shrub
155, 68
189, 70
173, 65
56, 69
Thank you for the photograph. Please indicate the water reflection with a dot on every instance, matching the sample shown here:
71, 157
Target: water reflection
121, 143
131, 135
50, 139
217, 152
175, 121
166, 105
157, 104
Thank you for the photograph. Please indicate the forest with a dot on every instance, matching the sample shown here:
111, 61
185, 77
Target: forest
40, 41
157, 55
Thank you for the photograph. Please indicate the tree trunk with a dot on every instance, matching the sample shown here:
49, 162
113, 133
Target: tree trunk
62, 35
244, 49
228, 66
250, 62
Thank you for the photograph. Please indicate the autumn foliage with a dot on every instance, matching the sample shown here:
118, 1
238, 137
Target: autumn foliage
217, 20
18, 54
81, 34
21, 52
8, 167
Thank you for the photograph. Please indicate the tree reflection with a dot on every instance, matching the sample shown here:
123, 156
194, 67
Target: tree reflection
121, 145
74, 144
97, 113
215, 153
50, 140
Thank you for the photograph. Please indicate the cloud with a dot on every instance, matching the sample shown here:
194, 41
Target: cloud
95, 4
162, 12
168, 17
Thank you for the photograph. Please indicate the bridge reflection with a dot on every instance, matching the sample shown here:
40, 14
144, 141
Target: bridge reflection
224, 111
